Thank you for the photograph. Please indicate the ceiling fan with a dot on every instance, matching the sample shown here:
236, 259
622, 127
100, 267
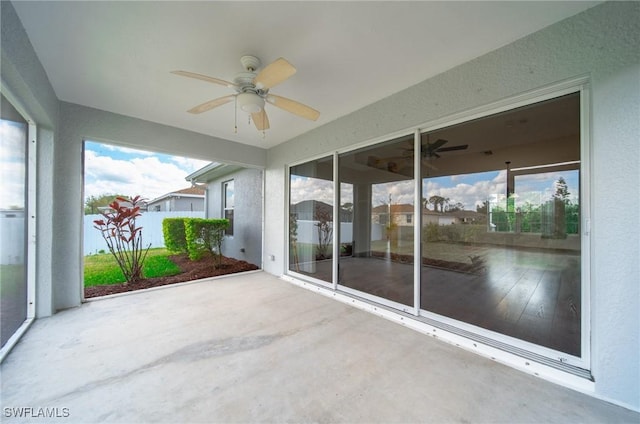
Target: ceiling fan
430, 150
403, 164
252, 91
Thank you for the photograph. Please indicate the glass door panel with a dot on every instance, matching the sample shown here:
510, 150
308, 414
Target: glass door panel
377, 184
13, 195
500, 229
311, 219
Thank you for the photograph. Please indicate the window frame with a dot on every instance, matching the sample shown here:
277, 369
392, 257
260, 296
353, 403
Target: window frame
31, 220
225, 207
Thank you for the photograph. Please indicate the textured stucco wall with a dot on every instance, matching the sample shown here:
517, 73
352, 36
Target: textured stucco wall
247, 214
24, 77
601, 44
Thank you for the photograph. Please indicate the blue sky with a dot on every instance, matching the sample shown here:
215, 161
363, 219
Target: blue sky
113, 169
469, 189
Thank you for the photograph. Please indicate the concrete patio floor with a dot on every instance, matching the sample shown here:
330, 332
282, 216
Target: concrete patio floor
253, 348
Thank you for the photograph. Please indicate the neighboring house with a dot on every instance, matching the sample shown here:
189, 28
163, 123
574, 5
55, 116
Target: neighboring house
234, 193
310, 210
438, 218
401, 214
188, 199
469, 217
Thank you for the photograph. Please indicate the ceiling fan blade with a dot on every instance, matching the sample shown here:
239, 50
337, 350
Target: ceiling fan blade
212, 104
204, 78
274, 73
260, 120
452, 148
436, 145
293, 107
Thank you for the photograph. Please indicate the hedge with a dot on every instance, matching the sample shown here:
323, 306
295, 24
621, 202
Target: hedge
205, 235
174, 236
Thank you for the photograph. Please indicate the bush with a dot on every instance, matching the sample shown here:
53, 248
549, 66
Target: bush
123, 237
175, 239
205, 235
430, 232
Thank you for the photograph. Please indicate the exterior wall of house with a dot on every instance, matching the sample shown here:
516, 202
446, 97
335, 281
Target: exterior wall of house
177, 203
247, 214
187, 204
601, 43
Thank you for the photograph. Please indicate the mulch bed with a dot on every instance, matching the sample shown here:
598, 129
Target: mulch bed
191, 270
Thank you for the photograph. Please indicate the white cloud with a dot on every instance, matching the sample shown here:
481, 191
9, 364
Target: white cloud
478, 188
305, 188
188, 164
147, 176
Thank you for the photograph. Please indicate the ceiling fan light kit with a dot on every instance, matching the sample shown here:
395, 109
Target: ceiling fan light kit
252, 91
250, 102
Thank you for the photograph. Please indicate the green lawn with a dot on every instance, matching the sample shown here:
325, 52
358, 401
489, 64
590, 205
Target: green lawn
103, 269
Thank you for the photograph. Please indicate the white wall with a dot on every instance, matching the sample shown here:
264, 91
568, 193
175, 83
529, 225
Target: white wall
602, 44
246, 242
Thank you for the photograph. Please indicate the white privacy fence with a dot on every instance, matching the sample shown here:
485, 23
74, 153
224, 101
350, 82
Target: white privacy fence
151, 223
12, 237
308, 231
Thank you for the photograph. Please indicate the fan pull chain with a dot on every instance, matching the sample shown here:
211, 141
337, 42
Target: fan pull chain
235, 116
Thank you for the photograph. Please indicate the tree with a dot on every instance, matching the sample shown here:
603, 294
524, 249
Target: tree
438, 202
123, 237
562, 191
325, 232
458, 206
92, 203
484, 208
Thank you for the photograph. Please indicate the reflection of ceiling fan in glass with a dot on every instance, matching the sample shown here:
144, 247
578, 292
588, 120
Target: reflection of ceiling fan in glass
252, 91
402, 164
430, 150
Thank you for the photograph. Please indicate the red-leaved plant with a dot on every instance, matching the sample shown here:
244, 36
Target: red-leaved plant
123, 238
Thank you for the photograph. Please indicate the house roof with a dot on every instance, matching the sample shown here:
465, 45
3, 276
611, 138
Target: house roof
194, 191
339, 70
211, 172
400, 208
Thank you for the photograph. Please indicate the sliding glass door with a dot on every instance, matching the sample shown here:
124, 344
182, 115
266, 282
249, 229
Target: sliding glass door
311, 219
500, 231
382, 199
13, 220
484, 236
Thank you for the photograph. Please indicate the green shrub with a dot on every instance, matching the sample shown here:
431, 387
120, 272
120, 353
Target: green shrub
205, 235
431, 232
174, 235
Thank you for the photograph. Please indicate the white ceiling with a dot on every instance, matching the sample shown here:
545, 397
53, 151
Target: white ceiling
116, 56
